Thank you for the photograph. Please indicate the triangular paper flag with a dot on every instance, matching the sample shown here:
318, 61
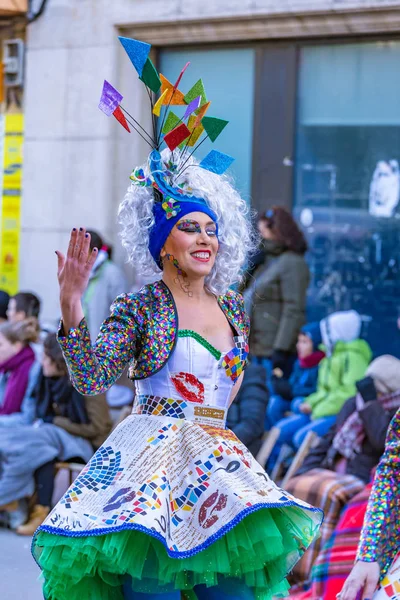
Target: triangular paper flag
159, 103
150, 76
171, 121
195, 131
194, 105
213, 126
137, 52
180, 76
216, 162
119, 115
176, 136
110, 99
201, 113
197, 90
173, 97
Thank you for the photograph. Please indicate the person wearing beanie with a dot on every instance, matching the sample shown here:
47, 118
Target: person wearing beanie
288, 393
4, 300
347, 359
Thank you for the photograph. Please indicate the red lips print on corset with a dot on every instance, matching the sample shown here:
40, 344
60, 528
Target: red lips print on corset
189, 387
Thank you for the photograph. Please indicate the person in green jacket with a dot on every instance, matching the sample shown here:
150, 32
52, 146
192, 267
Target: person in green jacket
346, 361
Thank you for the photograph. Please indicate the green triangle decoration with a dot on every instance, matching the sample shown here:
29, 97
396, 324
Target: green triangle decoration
150, 76
171, 121
213, 126
197, 90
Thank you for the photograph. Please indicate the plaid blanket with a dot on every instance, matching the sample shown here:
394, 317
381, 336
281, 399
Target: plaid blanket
330, 492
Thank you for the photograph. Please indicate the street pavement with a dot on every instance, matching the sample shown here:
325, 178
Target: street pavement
18, 571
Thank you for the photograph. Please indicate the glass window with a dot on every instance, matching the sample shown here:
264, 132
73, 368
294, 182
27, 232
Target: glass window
228, 77
347, 182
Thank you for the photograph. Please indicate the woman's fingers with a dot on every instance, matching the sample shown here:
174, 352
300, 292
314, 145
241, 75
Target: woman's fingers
85, 249
60, 261
79, 243
370, 587
92, 258
72, 243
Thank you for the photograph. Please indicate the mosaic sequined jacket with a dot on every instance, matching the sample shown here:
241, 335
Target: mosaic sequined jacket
380, 538
141, 330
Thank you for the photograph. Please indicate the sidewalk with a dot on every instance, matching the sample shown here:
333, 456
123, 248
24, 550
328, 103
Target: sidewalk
18, 571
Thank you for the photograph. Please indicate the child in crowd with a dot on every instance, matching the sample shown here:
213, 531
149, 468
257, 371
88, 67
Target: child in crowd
22, 306
288, 394
17, 363
346, 361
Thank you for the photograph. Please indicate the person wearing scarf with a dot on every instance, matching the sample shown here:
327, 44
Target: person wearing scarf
16, 361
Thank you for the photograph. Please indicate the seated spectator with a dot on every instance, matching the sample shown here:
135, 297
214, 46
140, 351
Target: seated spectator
68, 426
341, 464
23, 306
17, 363
345, 363
303, 380
247, 412
4, 300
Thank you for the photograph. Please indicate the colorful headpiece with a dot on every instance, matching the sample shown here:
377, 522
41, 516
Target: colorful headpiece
172, 200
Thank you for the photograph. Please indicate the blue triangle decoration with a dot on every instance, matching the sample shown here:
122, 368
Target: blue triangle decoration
216, 162
137, 52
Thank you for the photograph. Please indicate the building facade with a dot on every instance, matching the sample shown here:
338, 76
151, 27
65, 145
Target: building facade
310, 88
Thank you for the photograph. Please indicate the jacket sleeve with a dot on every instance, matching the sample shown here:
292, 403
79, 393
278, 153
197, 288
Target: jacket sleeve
376, 422
99, 419
252, 399
28, 407
93, 370
382, 520
294, 279
308, 388
329, 403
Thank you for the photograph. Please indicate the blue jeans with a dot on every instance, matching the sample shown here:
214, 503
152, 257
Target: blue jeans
239, 591
278, 406
294, 430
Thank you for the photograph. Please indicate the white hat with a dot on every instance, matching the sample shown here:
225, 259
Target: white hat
342, 326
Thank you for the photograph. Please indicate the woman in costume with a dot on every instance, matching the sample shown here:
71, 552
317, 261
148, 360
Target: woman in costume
173, 504
379, 547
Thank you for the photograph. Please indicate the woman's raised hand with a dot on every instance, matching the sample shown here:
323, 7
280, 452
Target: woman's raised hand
74, 270
73, 276
362, 582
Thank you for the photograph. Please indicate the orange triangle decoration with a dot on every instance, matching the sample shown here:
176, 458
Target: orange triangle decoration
174, 97
119, 115
201, 113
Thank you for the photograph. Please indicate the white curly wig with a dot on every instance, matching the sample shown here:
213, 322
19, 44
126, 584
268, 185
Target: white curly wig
235, 233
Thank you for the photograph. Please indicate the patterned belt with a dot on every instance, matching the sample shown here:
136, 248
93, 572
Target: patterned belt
157, 406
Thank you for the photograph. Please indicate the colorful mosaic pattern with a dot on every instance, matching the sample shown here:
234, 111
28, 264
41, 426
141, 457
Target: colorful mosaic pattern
160, 407
101, 472
235, 361
162, 434
141, 330
380, 534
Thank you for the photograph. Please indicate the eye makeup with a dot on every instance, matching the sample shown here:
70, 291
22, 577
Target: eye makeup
194, 227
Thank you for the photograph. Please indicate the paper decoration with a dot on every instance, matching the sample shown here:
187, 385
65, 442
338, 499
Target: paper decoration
193, 105
201, 113
180, 76
119, 115
159, 103
174, 97
195, 131
216, 162
110, 99
171, 121
196, 90
176, 136
150, 76
137, 52
213, 126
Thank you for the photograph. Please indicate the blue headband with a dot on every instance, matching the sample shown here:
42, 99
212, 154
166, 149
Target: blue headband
170, 206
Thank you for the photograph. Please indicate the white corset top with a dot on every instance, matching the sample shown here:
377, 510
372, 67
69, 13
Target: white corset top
196, 373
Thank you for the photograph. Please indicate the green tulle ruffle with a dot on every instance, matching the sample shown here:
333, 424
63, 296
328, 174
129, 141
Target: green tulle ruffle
260, 550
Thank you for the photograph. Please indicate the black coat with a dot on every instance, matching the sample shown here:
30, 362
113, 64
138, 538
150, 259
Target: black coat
247, 412
376, 422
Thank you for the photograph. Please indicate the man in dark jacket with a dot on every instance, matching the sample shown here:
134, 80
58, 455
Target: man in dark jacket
247, 412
